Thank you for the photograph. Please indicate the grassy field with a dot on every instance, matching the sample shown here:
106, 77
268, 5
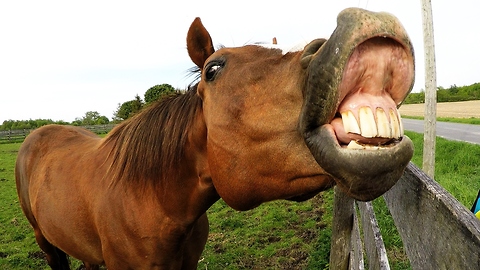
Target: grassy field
276, 235
18, 249
471, 120
462, 109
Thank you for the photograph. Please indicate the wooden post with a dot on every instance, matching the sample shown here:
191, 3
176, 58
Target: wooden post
340, 246
430, 91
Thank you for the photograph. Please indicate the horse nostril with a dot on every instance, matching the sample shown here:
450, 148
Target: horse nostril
310, 50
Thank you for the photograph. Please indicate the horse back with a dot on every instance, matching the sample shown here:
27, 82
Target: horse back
52, 179
50, 144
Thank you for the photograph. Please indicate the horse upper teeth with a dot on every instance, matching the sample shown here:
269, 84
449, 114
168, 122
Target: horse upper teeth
395, 124
350, 123
368, 127
383, 125
372, 125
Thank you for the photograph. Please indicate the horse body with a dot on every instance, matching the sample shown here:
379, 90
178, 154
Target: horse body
106, 222
260, 125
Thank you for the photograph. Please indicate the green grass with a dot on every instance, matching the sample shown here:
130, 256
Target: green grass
457, 169
276, 235
457, 166
17, 243
18, 249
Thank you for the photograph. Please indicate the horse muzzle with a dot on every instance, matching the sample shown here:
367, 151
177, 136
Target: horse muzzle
355, 82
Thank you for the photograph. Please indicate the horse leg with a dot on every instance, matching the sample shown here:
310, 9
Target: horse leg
88, 266
196, 243
56, 258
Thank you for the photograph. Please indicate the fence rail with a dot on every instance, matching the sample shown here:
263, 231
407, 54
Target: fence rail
18, 135
437, 231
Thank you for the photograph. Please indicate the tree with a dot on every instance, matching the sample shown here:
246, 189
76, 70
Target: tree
91, 118
102, 120
157, 92
415, 98
128, 109
28, 124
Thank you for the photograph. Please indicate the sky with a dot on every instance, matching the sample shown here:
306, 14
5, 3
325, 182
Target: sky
61, 59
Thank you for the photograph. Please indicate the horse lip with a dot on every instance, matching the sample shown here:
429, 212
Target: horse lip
325, 61
362, 174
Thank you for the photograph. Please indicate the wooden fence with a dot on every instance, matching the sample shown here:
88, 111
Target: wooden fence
18, 135
100, 129
437, 231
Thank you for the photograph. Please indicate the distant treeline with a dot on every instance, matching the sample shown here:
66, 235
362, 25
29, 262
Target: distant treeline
28, 124
125, 110
91, 118
452, 94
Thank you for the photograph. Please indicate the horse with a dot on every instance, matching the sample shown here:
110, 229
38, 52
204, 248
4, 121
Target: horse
259, 124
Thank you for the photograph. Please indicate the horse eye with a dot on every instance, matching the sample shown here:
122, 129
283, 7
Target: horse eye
212, 70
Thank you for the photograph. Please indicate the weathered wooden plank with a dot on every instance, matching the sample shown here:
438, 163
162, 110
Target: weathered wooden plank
342, 224
356, 252
437, 231
374, 246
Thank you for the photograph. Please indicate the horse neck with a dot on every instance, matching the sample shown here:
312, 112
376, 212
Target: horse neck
195, 192
161, 154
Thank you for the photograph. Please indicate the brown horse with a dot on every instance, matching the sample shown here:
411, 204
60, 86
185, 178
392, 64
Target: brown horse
259, 125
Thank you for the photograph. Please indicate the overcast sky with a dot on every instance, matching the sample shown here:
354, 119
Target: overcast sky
60, 59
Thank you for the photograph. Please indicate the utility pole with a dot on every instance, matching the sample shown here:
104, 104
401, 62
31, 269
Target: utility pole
429, 138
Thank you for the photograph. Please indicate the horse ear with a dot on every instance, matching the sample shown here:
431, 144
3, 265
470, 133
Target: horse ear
199, 43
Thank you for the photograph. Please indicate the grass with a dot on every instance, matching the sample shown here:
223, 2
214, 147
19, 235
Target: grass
471, 120
276, 235
17, 243
457, 166
461, 109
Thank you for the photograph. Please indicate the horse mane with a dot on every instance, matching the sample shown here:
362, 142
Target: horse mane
147, 148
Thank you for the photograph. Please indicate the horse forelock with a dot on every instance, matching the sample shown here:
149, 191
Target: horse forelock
147, 149
285, 49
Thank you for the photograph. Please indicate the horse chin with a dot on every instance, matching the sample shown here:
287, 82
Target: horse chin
366, 172
303, 197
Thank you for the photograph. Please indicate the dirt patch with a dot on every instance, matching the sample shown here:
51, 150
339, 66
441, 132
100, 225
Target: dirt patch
462, 109
294, 257
37, 255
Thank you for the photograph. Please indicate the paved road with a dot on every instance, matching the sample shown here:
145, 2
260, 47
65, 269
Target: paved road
450, 131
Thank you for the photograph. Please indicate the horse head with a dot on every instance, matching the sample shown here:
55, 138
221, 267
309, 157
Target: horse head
288, 125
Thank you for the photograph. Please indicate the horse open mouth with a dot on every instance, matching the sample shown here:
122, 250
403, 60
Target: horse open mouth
375, 82
355, 82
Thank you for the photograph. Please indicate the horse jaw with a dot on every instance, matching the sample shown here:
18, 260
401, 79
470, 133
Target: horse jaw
355, 82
